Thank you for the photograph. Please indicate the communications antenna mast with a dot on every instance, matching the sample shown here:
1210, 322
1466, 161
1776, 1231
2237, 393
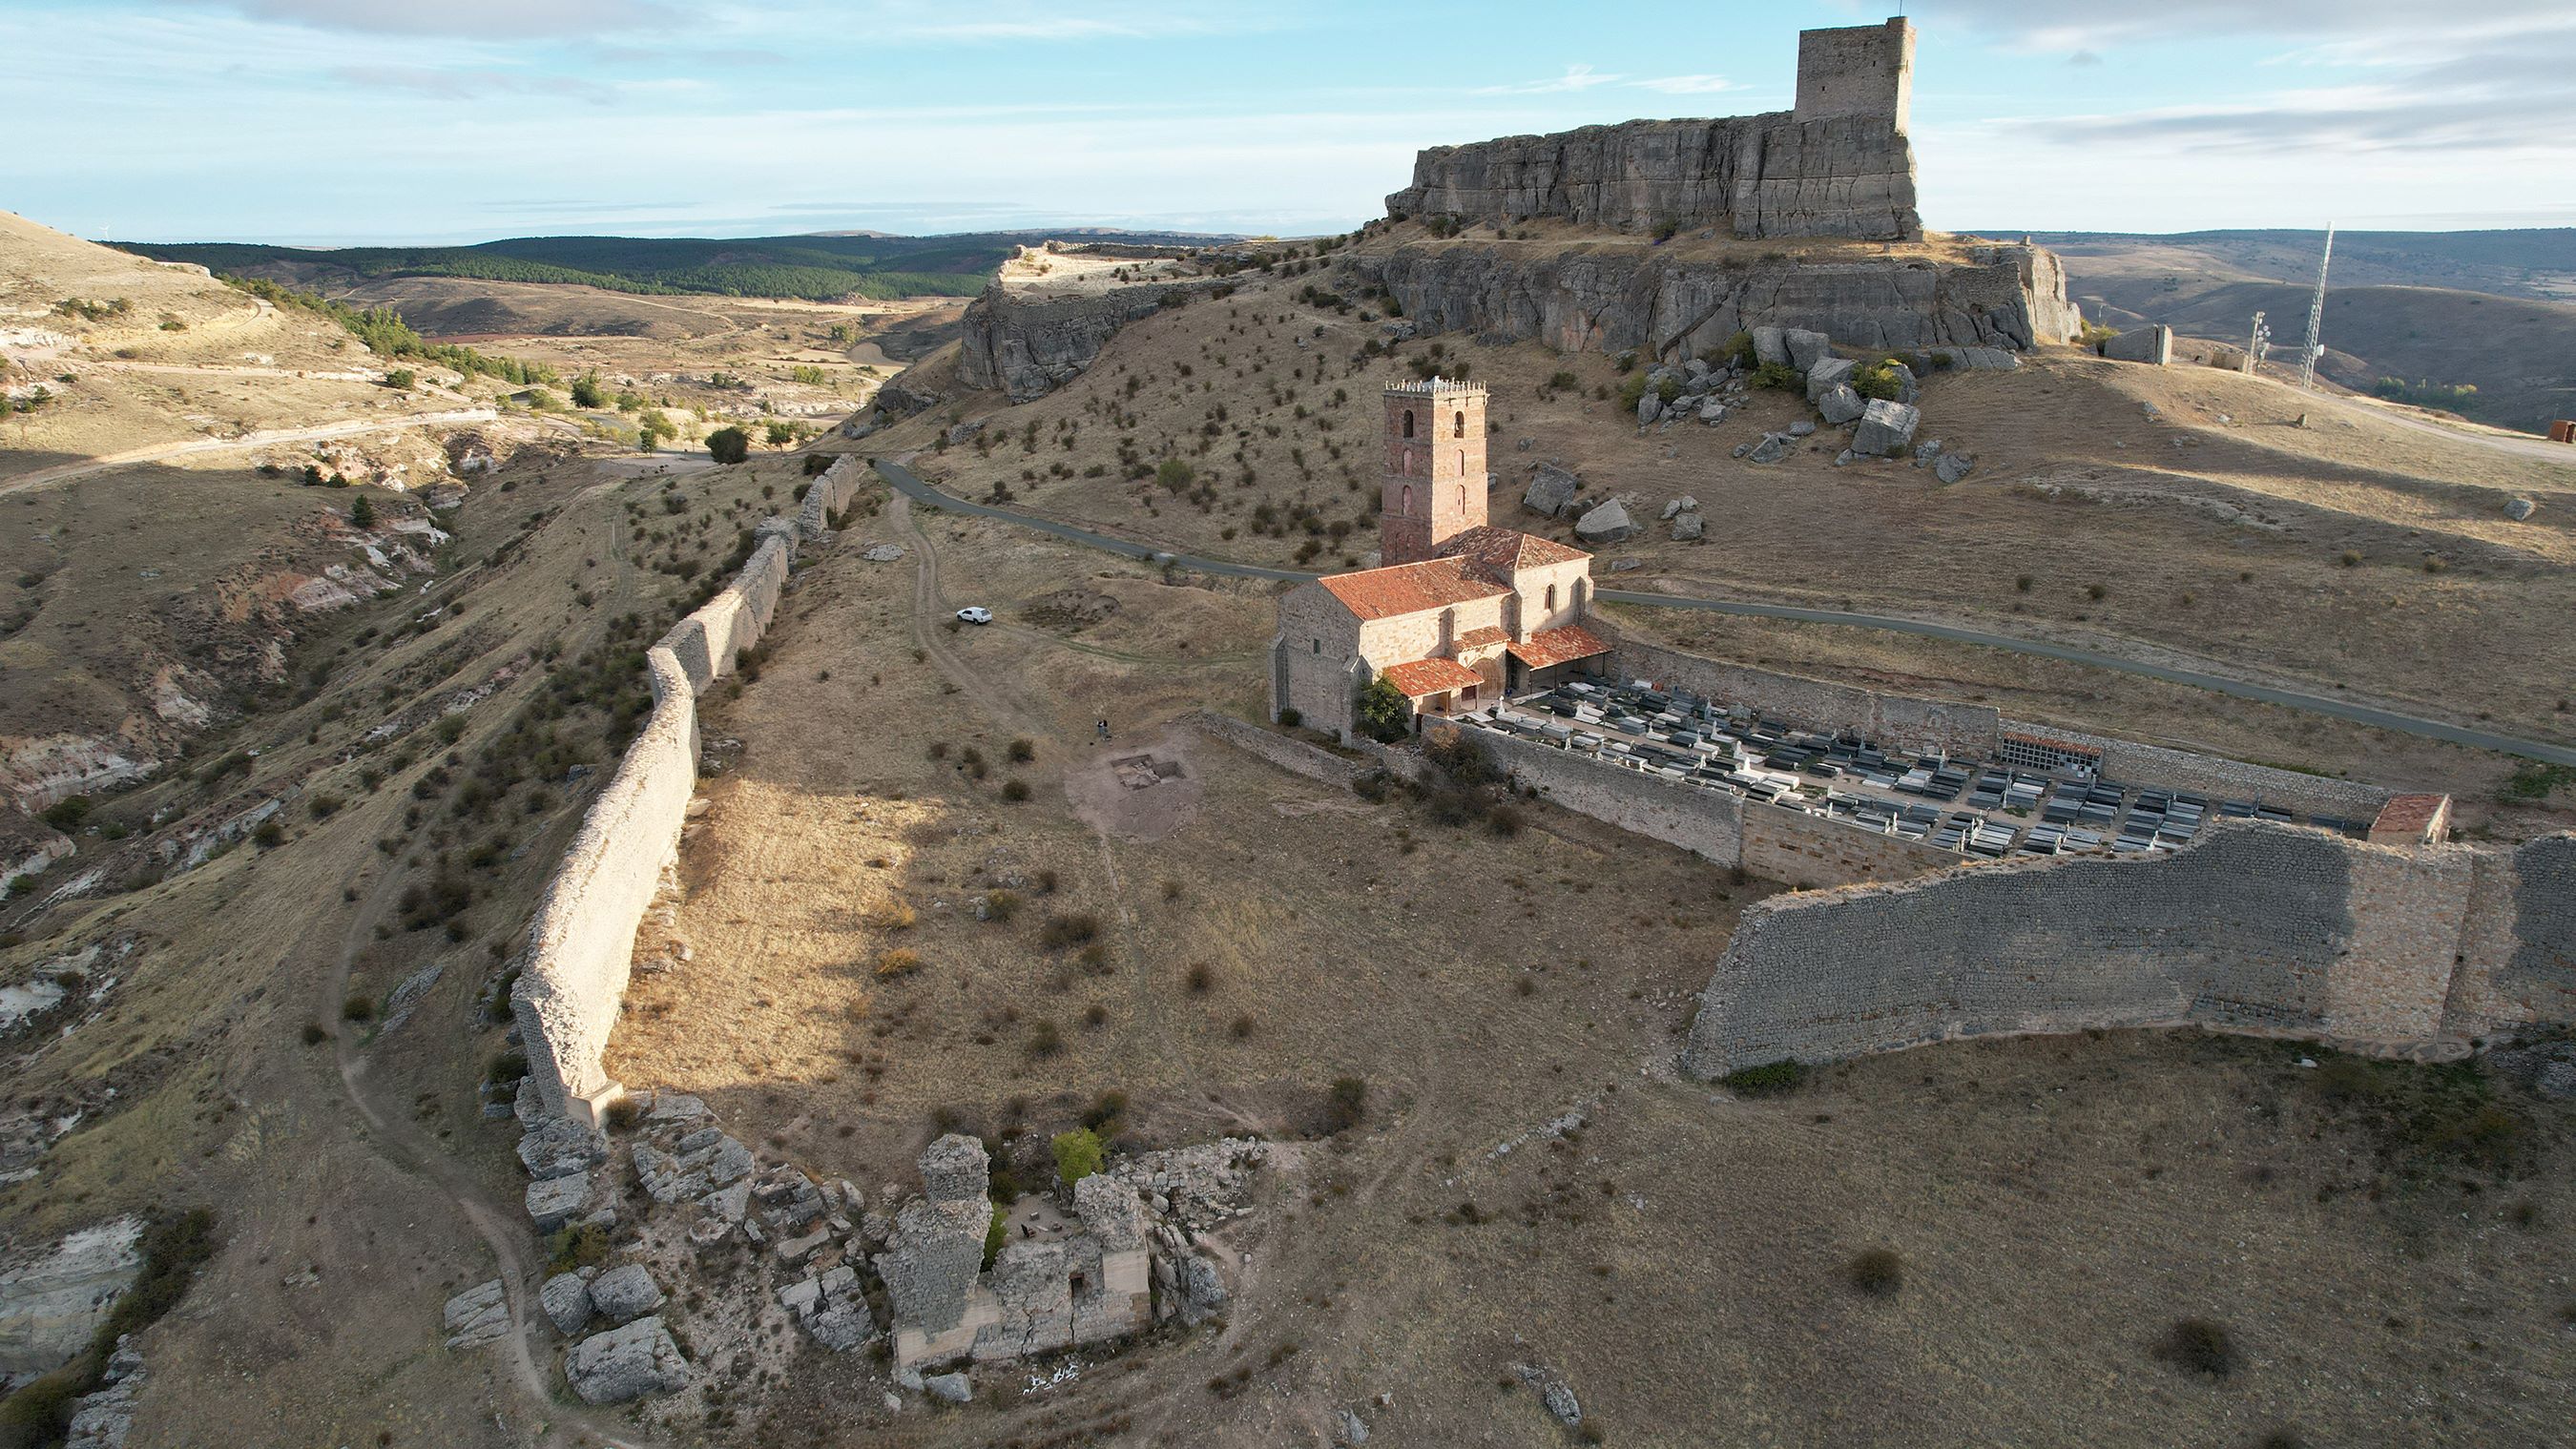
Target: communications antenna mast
2316, 315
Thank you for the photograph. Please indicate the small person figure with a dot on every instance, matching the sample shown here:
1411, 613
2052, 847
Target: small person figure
1103, 727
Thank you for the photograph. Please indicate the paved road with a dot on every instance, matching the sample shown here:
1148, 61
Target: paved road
65, 472
906, 482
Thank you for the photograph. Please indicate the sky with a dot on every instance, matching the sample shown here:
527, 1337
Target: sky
333, 122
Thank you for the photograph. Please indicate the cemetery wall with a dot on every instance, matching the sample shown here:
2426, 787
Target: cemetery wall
1896, 720
581, 940
2134, 763
1708, 823
1809, 851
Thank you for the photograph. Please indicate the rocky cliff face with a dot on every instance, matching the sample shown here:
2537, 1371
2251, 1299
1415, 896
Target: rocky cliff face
1770, 175
1028, 346
1672, 307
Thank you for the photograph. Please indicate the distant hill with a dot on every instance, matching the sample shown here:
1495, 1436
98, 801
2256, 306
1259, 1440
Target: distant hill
2417, 315
817, 267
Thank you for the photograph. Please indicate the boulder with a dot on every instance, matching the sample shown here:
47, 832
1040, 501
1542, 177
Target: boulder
626, 1363
1606, 523
1770, 344
948, 1388
1828, 374
2519, 509
1772, 448
560, 1147
625, 1293
555, 1201
1649, 407
1841, 405
1951, 467
1202, 1292
832, 1308
1712, 412
478, 1315
1885, 427
566, 1300
1803, 427
1908, 387
1688, 527
1806, 348
1984, 359
1551, 491
2152, 345
1669, 510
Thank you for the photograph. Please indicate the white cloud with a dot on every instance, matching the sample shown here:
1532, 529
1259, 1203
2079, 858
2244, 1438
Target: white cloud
1686, 85
1576, 78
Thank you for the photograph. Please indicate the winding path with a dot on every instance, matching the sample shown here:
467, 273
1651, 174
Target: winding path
905, 481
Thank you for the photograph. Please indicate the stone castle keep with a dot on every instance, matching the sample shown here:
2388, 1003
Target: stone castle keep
1839, 165
1460, 612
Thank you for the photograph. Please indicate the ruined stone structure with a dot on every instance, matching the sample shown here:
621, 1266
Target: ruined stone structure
581, 940
1461, 612
2257, 928
1839, 165
1040, 1295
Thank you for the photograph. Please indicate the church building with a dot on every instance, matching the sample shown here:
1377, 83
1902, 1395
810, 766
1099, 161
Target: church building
1459, 614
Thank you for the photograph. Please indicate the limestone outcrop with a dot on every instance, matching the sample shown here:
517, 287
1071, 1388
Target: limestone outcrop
1770, 175
1610, 298
1030, 345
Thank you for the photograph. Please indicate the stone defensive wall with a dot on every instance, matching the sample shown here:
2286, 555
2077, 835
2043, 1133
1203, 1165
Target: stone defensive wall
2255, 928
1726, 829
1298, 757
2219, 778
581, 941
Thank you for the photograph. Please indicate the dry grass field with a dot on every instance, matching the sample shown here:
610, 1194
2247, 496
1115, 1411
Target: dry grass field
1683, 1258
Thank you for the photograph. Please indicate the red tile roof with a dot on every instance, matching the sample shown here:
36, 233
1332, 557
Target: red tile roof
1410, 588
1496, 552
1556, 646
1479, 638
1430, 676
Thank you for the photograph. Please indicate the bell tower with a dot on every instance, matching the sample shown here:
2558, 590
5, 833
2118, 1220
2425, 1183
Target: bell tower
1434, 488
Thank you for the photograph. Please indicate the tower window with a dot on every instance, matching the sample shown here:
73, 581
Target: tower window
1404, 503
1319, 646
1408, 422
1551, 598
1462, 498
1458, 429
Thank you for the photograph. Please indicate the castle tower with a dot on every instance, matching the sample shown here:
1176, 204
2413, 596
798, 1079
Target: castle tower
1435, 467
1857, 70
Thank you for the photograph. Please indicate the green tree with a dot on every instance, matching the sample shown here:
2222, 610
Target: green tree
1078, 1154
1384, 714
362, 514
400, 379
652, 427
1174, 475
778, 435
587, 392
728, 445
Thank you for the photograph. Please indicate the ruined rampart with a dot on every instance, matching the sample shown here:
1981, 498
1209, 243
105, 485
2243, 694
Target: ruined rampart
2255, 927
572, 977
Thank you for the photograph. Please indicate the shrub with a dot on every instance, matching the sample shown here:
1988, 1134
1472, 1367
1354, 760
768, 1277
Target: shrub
1504, 820
1382, 712
996, 1233
576, 1245
315, 1033
729, 445
1738, 351
1001, 906
1074, 929
623, 1114
1878, 1272
1241, 1027
1200, 978
67, 815
2196, 1345
361, 1008
1767, 1080
1023, 751
1291, 718
1878, 380
1015, 790
1780, 377
1078, 1154
1345, 1105
901, 961
893, 916
506, 1068
1045, 1039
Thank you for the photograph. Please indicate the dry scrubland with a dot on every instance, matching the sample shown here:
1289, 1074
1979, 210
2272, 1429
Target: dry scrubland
1685, 1259
239, 1057
2353, 554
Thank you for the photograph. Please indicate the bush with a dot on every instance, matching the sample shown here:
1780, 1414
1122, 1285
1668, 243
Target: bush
901, 961
729, 445
576, 1245
1738, 351
1780, 377
1078, 1154
1001, 906
2196, 1345
315, 1033
1023, 751
1878, 1272
1767, 1080
816, 464
1878, 380
996, 1233
1345, 1105
1015, 790
1045, 1039
1291, 718
1075, 929
67, 815
1382, 712
360, 1008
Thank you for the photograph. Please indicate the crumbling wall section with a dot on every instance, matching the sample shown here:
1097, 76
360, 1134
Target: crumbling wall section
1707, 823
572, 977
826, 496
2258, 928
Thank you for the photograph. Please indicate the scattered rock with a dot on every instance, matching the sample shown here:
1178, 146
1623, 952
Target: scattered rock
560, 1147
1840, 405
1828, 373
1353, 1432
1712, 412
477, 1316
1806, 348
566, 1300
1770, 344
1885, 427
832, 1308
626, 1363
1688, 527
882, 552
1551, 491
1772, 448
1649, 407
1607, 522
1801, 428
554, 1201
625, 1293
948, 1388
2519, 509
